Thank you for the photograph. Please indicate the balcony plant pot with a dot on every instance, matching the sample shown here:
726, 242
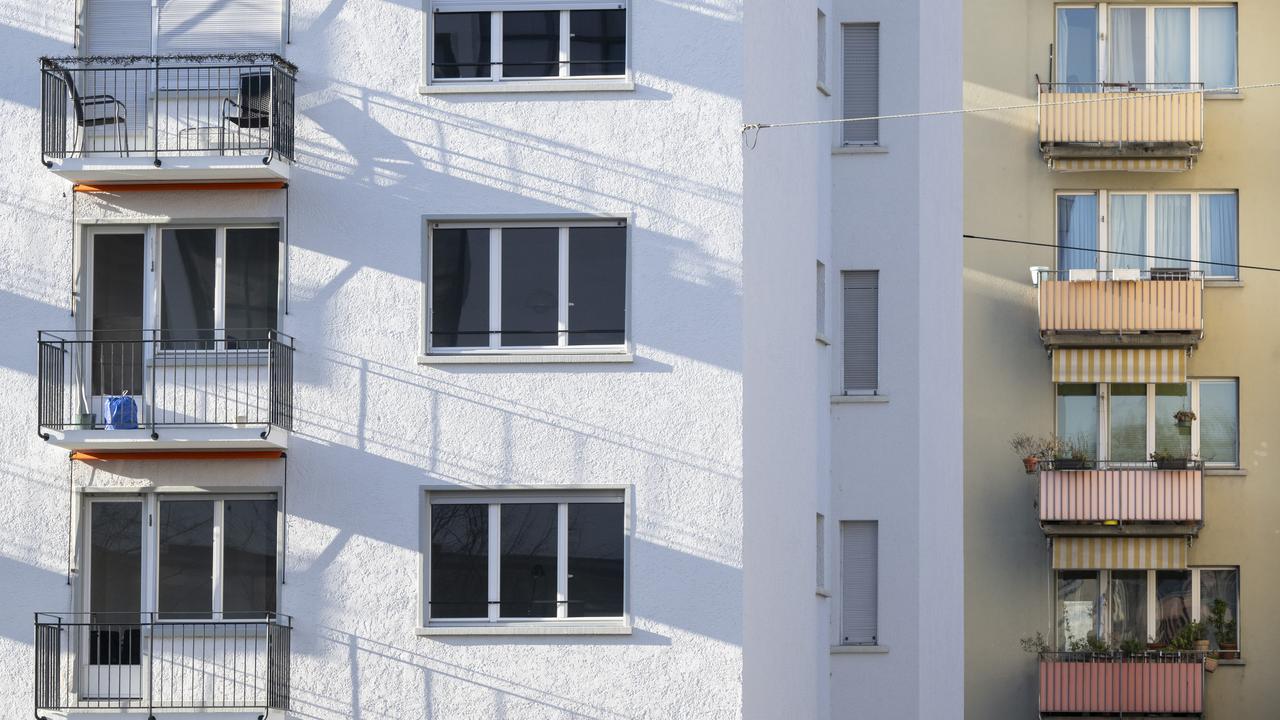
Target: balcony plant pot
1069, 464
1210, 663
1201, 646
1172, 463
85, 421
1029, 463
1229, 651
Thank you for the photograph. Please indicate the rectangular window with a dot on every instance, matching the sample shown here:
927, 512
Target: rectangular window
1078, 416
1173, 603
1077, 608
822, 50
1127, 410
1077, 47
859, 565
861, 331
822, 553
526, 556
528, 286
1077, 231
820, 300
1128, 606
1219, 421
219, 282
1220, 605
473, 41
861, 83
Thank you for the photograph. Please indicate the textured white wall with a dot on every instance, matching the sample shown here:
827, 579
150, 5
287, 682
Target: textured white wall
372, 425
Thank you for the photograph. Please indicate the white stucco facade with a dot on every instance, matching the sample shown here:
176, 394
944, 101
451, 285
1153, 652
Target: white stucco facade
718, 424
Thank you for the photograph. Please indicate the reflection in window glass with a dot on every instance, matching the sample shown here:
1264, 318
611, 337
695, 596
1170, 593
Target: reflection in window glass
595, 559
597, 285
1128, 422
1219, 234
1171, 437
530, 286
1077, 47
459, 561
1218, 47
461, 43
1128, 602
1173, 603
249, 558
1219, 422
460, 287
528, 561
1077, 232
252, 284
185, 576
1128, 36
1221, 585
1173, 46
187, 268
1078, 416
118, 268
598, 42
531, 43
1077, 607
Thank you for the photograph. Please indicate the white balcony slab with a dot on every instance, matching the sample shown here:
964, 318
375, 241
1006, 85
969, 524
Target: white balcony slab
202, 168
205, 438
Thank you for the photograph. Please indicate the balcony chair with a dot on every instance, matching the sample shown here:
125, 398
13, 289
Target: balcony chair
251, 109
118, 117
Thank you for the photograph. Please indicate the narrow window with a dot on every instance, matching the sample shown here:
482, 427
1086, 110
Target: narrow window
1218, 47
1078, 417
530, 286
462, 46
598, 42
1219, 419
188, 262
186, 559
1077, 48
1128, 606
861, 330
1127, 411
1173, 231
821, 553
528, 560
1172, 437
1127, 62
1078, 232
252, 282
1077, 607
861, 83
460, 287
531, 43
118, 282
459, 561
859, 566
1127, 224
820, 300
1173, 603
597, 285
1220, 604
595, 559
822, 49
249, 558
1219, 234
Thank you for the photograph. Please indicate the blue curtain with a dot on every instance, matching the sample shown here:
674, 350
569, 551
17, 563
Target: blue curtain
1218, 47
1173, 231
1173, 45
1077, 49
1077, 228
1219, 235
1128, 231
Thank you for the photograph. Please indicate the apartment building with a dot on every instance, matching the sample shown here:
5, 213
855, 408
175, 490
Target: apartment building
464, 359
1130, 333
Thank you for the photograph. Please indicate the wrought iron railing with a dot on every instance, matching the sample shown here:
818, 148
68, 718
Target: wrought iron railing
137, 661
166, 106
164, 379
1117, 684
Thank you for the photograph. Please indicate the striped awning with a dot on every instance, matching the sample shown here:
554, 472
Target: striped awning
1119, 553
1122, 164
1119, 365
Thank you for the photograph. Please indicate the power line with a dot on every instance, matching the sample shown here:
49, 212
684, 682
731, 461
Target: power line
1189, 261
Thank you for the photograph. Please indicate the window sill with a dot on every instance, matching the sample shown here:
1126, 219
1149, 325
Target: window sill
822, 592
1224, 96
859, 399
822, 88
1235, 663
1223, 283
822, 339
859, 150
1226, 472
528, 86
859, 649
514, 359
523, 629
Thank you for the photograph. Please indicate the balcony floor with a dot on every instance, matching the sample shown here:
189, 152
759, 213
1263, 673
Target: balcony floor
213, 168
227, 437
1079, 529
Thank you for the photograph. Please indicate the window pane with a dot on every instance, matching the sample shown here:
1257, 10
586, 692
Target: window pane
1173, 602
597, 285
530, 286
1128, 45
1219, 234
1173, 231
1077, 607
459, 561
598, 42
1221, 585
118, 268
461, 43
1218, 47
531, 43
1078, 416
1128, 606
1128, 228
115, 559
1173, 45
252, 291
1128, 407
1219, 422
186, 559
1077, 47
528, 560
187, 262
1077, 232
249, 558
460, 287
595, 559
1171, 437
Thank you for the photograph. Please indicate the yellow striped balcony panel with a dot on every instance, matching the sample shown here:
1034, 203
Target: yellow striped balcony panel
1105, 120
1115, 499
1119, 553
1119, 365
1098, 307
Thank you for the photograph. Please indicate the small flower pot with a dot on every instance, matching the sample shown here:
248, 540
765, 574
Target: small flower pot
1229, 651
1172, 464
1069, 464
1210, 664
1030, 463
1201, 646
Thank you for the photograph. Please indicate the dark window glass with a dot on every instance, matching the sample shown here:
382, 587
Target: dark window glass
595, 559
117, 313
460, 287
253, 272
115, 560
249, 558
597, 285
531, 43
459, 561
187, 266
186, 559
528, 561
1221, 586
530, 285
1173, 603
462, 45
597, 42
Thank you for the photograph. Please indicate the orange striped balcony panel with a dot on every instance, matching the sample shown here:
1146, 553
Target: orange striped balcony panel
1116, 306
1122, 118
1119, 553
1121, 686
1138, 495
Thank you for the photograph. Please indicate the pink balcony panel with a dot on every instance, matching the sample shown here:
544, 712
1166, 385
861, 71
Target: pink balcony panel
1138, 495
1122, 685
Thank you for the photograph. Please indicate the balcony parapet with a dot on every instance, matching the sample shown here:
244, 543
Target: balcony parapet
1101, 308
1116, 685
1123, 121
1165, 498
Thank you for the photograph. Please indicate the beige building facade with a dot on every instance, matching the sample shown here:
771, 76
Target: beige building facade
1132, 337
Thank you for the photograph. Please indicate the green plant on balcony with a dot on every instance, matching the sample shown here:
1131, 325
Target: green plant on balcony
1071, 455
1172, 459
1224, 630
1184, 418
1132, 647
1034, 644
1190, 638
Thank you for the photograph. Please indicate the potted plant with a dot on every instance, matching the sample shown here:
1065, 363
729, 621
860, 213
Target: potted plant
1132, 647
1035, 645
1184, 418
1171, 460
1031, 449
1224, 630
1070, 456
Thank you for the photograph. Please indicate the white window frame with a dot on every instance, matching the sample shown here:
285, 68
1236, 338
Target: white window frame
1193, 401
1105, 261
562, 80
1104, 588
1104, 40
494, 498
495, 346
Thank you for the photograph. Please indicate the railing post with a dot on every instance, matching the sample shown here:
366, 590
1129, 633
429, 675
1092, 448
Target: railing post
151, 669
155, 120
151, 389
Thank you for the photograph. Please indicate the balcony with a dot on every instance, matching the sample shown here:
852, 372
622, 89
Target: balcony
153, 390
1100, 308
1113, 685
135, 662
1121, 126
1130, 498
203, 118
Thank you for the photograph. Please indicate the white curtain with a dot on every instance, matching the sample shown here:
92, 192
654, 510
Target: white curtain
1077, 232
1128, 62
1128, 230
1219, 234
1218, 47
1077, 47
1173, 45
1173, 230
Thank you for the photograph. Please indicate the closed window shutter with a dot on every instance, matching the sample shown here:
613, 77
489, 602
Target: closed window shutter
117, 27
861, 330
224, 26
822, 553
862, 82
859, 568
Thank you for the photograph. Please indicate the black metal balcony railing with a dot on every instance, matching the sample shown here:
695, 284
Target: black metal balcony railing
175, 105
137, 661
176, 378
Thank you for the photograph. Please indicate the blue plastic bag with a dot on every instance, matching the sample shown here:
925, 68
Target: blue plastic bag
121, 412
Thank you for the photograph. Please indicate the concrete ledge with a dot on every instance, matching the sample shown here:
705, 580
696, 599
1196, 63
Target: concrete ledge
859, 649
479, 359
1223, 284
522, 629
859, 399
859, 150
1226, 472
527, 86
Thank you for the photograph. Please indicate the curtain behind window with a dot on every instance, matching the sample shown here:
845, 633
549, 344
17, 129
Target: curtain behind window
1128, 603
1077, 47
1077, 228
1128, 45
1218, 47
1173, 602
1173, 231
1219, 235
1128, 228
1077, 607
1220, 585
1173, 45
